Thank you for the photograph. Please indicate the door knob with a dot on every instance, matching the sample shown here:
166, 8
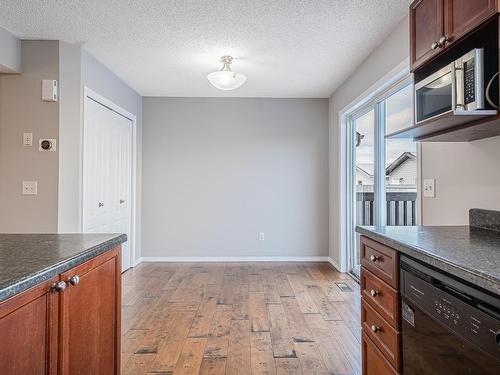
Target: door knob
374, 293
374, 258
74, 280
435, 45
101, 204
375, 328
59, 287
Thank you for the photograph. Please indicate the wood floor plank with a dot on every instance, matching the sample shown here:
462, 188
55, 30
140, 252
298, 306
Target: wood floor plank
218, 336
326, 308
255, 283
213, 366
331, 352
238, 356
189, 362
261, 354
283, 285
269, 286
281, 337
307, 305
288, 366
203, 318
240, 302
348, 343
257, 312
330, 289
296, 322
310, 358
170, 348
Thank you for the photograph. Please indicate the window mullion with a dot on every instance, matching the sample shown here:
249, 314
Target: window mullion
379, 188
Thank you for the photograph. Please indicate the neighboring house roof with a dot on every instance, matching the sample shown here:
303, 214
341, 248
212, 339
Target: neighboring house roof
399, 161
367, 169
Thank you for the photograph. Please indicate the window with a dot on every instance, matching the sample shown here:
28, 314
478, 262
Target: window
383, 172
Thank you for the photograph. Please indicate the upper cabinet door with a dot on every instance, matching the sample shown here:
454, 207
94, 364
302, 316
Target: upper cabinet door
461, 16
426, 29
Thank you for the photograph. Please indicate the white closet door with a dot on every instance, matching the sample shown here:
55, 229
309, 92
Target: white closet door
107, 177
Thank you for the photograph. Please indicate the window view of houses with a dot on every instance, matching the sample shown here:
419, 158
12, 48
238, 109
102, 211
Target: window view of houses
400, 163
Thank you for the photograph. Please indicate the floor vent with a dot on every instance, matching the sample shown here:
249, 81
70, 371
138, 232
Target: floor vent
344, 287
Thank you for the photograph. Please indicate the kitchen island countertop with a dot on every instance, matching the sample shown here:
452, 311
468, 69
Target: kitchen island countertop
28, 259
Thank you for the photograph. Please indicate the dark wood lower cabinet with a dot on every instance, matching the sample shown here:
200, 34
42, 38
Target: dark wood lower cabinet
71, 331
28, 326
374, 362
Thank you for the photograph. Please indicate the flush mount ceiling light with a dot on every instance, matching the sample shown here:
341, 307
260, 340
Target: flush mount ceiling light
226, 79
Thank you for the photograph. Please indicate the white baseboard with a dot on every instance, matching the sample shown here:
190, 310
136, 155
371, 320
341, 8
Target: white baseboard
234, 259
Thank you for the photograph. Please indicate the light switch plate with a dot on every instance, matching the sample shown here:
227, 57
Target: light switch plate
30, 188
27, 139
429, 188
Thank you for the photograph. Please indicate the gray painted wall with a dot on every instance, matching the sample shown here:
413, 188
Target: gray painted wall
217, 172
10, 53
22, 110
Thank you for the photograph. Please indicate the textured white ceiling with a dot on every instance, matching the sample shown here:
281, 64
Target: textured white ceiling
287, 48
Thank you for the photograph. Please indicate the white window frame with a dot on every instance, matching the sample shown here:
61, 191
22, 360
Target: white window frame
373, 98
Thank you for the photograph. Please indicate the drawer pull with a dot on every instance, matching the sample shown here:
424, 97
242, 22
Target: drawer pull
74, 280
376, 328
374, 293
59, 287
374, 258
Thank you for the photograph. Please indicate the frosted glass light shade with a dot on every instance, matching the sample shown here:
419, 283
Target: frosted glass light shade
226, 79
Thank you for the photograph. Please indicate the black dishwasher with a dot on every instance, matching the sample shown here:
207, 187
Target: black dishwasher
449, 327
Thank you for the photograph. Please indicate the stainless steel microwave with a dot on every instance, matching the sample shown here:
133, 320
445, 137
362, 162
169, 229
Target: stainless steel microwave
458, 86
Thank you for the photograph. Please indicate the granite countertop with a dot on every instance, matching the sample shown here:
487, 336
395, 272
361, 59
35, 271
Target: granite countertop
29, 259
470, 253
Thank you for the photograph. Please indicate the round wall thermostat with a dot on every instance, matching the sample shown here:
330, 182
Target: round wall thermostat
47, 144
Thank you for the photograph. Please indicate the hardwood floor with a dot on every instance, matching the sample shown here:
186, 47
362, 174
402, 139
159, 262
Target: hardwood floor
240, 318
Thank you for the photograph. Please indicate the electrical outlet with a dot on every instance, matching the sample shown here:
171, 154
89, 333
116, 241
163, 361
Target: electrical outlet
27, 139
261, 236
429, 188
30, 188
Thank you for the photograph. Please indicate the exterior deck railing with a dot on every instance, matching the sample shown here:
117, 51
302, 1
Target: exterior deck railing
401, 208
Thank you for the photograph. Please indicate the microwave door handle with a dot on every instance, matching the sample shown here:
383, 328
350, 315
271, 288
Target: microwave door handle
457, 83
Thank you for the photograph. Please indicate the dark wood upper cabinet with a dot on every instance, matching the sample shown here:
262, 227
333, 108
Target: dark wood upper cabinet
426, 28
437, 24
28, 322
461, 16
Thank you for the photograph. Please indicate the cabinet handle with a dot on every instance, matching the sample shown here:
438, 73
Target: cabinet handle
374, 293
374, 258
74, 280
435, 45
59, 287
101, 204
376, 328
122, 201
442, 41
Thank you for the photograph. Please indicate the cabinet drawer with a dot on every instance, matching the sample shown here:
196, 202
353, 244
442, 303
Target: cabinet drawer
374, 363
381, 260
383, 335
380, 296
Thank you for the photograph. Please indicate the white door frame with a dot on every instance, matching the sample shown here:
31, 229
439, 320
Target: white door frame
91, 94
343, 217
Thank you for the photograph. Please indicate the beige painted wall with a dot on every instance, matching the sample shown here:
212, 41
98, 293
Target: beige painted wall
22, 110
467, 175
216, 172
